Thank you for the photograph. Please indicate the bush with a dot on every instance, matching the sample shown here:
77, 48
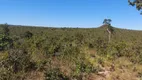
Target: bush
120, 47
5, 42
16, 61
5, 29
83, 67
28, 34
55, 74
101, 46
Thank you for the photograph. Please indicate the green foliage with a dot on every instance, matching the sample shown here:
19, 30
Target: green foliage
137, 3
101, 46
43, 48
5, 29
107, 21
111, 29
13, 63
5, 42
28, 34
119, 48
55, 74
86, 68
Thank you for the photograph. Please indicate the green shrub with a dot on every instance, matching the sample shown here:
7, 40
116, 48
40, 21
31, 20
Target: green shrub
82, 67
17, 61
28, 34
120, 47
55, 74
5, 42
5, 29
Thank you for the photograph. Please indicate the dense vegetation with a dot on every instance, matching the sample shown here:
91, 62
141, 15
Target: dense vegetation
39, 53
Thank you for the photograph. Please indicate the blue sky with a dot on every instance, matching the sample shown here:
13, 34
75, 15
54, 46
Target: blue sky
70, 13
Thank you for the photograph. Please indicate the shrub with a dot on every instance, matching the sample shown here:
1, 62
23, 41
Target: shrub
120, 47
83, 67
101, 46
55, 74
5, 42
16, 61
28, 34
5, 29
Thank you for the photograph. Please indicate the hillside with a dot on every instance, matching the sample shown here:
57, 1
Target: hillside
44, 53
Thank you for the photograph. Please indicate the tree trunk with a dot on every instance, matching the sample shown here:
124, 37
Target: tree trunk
109, 35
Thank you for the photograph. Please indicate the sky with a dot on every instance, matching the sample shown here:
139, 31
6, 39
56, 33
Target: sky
70, 13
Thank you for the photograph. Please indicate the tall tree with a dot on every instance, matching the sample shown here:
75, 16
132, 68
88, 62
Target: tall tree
110, 30
137, 3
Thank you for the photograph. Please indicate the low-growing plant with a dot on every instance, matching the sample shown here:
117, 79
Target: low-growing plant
55, 74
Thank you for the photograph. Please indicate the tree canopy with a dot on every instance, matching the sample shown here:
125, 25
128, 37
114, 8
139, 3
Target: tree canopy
107, 21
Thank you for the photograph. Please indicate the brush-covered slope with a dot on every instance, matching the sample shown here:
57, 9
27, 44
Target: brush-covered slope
119, 34
39, 53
